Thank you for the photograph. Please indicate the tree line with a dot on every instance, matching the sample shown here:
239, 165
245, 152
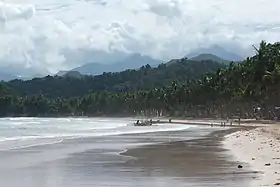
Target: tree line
131, 80
248, 89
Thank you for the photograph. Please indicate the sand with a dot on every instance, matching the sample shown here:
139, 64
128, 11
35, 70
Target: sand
202, 161
187, 158
260, 149
244, 123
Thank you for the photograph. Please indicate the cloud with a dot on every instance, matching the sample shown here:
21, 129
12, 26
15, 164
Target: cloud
171, 8
10, 12
41, 36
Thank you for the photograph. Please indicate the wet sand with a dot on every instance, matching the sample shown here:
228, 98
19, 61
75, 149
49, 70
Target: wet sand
203, 162
152, 159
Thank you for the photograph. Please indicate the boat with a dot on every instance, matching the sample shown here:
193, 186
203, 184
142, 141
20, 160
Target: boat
143, 123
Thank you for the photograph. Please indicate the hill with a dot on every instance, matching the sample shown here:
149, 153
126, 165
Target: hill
73, 74
217, 51
133, 61
129, 80
212, 57
234, 91
61, 73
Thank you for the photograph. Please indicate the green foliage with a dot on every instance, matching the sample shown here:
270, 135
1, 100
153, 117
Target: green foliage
130, 80
212, 57
170, 89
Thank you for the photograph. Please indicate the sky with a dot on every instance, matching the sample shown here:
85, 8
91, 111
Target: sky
45, 36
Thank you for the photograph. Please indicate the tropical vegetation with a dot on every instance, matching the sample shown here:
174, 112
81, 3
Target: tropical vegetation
247, 89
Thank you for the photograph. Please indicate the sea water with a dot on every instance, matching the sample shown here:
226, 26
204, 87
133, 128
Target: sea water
18, 133
79, 152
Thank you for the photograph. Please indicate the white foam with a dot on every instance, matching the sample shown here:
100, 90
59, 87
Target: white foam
23, 131
18, 138
19, 118
32, 145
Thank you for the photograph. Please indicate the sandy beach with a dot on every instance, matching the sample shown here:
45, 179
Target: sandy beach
259, 148
108, 152
203, 161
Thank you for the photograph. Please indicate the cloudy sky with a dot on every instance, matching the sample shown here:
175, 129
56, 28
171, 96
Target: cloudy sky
42, 36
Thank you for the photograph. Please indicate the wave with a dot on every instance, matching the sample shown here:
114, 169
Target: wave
19, 118
16, 138
121, 131
21, 132
32, 145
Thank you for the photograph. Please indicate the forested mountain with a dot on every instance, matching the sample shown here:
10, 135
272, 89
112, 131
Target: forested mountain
212, 57
134, 61
130, 80
73, 74
217, 51
236, 90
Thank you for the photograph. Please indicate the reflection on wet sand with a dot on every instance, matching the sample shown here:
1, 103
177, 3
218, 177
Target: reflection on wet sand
199, 160
170, 159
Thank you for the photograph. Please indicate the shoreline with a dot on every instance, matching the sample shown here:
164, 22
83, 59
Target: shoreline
209, 122
260, 148
196, 157
216, 122
201, 160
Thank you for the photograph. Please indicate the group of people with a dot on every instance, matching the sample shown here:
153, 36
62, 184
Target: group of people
223, 124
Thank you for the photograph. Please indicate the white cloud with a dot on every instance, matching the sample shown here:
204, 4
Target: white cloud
36, 33
10, 12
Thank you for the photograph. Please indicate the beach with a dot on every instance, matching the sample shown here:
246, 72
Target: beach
102, 152
202, 161
259, 148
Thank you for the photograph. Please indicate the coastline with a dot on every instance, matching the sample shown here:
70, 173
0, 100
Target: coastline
190, 157
260, 148
202, 160
253, 142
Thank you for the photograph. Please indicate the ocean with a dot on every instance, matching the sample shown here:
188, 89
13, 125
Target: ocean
78, 152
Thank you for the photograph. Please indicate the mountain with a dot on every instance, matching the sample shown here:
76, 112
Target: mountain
133, 61
217, 51
6, 76
144, 78
73, 74
174, 61
212, 57
84, 55
93, 68
61, 73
